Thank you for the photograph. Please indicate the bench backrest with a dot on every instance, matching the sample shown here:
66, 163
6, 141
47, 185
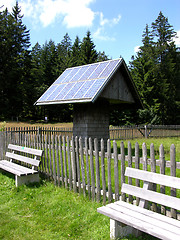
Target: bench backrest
36, 153
145, 193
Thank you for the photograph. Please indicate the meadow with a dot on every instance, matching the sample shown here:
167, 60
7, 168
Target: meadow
45, 211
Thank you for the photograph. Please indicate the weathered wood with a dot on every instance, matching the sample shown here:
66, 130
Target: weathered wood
57, 159
23, 159
73, 165
123, 196
137, 161
109, 170
116, 174
162, 171
47, 155
98, 192
50, 157
130, 165
153, 169
82, 166
103, 172
54, 162
69, 163
36, 152
92, 169
173, 173
65, 163
61, 160
144, 151
77, 163
87, 168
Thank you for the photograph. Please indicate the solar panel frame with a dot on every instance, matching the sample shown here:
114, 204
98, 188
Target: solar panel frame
80, 84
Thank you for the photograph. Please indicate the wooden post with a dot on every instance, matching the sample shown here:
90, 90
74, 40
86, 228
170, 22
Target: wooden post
98, 194
61, 160
103, 171
173, 173
162, 171
116, 174
123, 196
69, 163
87, 168
50, 158
54, 163
82, 166
92, 169
144, 151
65, 163
109, 170
153, 169
130, 165
73, 165
137, 160
57, 159
77, 163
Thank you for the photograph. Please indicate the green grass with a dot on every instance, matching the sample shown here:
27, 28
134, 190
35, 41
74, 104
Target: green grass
43, 211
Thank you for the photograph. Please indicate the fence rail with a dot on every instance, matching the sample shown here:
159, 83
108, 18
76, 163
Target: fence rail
90, 170
116, 133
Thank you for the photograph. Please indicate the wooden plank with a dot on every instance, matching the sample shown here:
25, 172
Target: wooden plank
87, 168
173, 173
130, 165
103, 171
98, 190
153, 177
92, 170
69, 163
109, 170
65, 162
153, 169
123, 196
116, 174
50, 157
159, 198
137, 161
54, 162
36, 152
23, 159
77, 163
61, 160
138, 223
57, 159
15, 168
162, 171
82, 166
144, 152
73, 165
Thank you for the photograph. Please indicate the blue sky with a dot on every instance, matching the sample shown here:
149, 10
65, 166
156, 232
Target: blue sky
116, 25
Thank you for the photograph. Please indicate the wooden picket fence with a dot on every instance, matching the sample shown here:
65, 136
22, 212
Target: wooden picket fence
84, 166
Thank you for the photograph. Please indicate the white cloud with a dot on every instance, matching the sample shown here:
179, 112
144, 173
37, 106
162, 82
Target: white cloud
177, 39
136, 49
74, 13
100, 33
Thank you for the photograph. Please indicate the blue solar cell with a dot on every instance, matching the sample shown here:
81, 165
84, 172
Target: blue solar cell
89, 71
47, 93
81, 71
71, 75
84, 89
63, 76
73, 90
95, 87
109, 68
53, 94
64, 91
98, 70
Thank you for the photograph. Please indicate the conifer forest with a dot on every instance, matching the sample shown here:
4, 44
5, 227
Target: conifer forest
27, 71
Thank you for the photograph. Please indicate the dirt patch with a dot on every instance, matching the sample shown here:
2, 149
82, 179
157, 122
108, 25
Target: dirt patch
26, 124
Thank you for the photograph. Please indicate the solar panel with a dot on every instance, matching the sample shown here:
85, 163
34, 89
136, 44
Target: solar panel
77, 84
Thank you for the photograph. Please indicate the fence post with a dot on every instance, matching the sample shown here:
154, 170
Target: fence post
173, 173
145, 131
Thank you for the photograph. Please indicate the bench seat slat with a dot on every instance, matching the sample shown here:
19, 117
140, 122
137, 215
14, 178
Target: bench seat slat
15, 168
155, 197
32, 151
147, 212
23, 159
153, 177
140, 223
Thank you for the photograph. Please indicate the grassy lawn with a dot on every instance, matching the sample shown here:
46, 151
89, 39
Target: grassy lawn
43, 211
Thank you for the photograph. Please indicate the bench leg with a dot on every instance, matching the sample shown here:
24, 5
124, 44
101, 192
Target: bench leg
26, 179
120, 230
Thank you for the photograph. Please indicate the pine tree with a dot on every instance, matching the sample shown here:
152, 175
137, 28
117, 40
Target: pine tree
76, 51
88, 52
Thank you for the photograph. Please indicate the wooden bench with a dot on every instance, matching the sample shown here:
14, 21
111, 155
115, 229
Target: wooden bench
25, 168
126, 218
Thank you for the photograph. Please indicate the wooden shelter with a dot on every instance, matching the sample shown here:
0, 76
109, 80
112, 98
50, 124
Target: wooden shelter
92, 89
